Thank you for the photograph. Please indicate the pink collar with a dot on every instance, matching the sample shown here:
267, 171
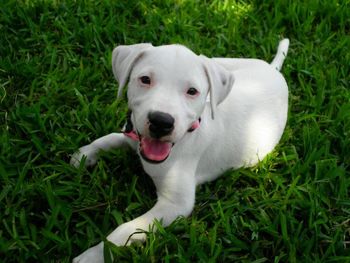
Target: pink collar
132, 135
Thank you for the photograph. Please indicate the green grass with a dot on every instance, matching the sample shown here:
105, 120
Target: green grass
57, 93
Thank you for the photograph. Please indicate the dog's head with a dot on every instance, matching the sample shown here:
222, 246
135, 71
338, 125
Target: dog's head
167, 91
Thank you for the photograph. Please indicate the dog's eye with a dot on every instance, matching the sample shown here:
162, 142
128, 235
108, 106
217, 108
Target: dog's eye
145, 80
192, 91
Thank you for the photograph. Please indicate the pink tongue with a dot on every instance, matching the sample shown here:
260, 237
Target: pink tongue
155, 150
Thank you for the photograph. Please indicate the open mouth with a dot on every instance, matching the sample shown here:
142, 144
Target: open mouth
154, 150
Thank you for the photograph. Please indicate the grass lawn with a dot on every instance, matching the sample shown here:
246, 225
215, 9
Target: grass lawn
57, 92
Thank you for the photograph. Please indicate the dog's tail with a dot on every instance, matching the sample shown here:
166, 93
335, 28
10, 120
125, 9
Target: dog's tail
282, 51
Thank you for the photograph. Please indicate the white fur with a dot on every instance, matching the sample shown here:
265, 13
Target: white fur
242, 122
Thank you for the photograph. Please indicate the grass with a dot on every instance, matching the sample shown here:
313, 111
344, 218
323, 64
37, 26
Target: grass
57, 93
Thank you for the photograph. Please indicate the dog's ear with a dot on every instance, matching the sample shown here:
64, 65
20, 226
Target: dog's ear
123, 60
220, 82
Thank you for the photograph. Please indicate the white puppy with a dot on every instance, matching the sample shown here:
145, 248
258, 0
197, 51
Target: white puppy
184, 139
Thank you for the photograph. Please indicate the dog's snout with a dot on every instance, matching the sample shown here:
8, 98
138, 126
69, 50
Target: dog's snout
160, 124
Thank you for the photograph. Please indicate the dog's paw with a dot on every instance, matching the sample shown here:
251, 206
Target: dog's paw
87, 151
92, 255
126, 234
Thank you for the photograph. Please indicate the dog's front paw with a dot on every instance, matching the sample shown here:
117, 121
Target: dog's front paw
92, 255
126, 234
88, 151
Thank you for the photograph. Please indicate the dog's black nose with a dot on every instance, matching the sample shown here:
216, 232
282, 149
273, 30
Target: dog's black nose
160, 124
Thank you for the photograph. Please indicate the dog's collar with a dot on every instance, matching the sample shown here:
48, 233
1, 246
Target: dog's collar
132, 135
129, 131
195, 125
